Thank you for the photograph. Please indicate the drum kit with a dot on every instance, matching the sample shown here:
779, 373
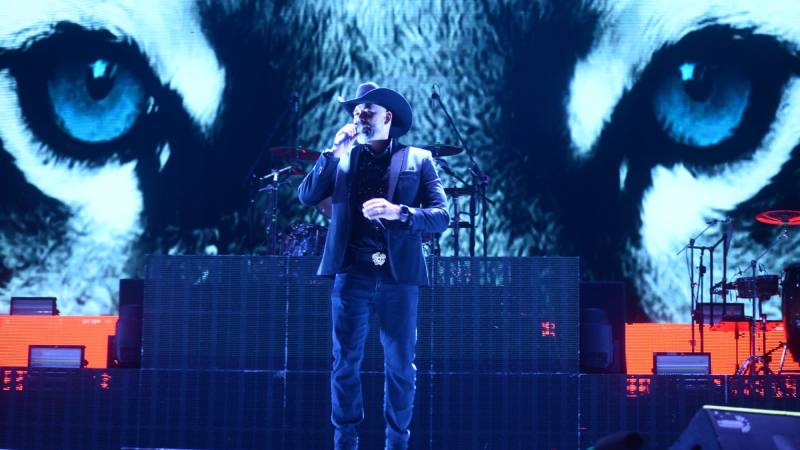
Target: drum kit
750, 285
304, 239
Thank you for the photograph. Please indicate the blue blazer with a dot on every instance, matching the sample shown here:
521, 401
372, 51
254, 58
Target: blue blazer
413, 182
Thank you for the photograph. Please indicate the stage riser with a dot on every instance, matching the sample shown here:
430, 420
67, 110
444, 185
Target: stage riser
506, 315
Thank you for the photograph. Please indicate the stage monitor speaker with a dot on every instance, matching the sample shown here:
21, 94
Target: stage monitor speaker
602, 327
131, 291
33, 306
727, 428
128, 338
57, 356
681, 363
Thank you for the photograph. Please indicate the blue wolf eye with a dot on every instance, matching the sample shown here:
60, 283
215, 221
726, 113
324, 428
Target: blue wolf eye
88, 95
710, 98
96, 101
701, 105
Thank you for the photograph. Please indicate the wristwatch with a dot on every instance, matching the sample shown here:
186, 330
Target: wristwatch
404, 213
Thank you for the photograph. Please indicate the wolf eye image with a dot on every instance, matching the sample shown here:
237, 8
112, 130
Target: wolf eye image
612, 131
464, 224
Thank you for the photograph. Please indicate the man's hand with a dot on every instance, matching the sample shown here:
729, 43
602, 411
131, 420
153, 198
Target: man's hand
344, 139
380, 208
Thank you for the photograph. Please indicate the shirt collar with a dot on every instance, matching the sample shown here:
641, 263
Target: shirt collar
389, 150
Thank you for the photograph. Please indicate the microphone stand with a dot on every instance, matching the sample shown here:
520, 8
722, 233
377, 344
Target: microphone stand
691, 246
479, 182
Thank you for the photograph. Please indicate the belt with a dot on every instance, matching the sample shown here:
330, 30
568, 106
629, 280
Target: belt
376, 258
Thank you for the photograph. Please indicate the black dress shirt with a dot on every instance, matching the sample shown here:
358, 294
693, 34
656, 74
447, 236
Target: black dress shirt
371, 181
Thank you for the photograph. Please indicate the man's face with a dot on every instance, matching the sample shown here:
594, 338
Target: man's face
373, 121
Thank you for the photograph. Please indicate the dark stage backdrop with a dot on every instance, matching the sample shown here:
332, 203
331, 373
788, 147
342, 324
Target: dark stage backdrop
611, 131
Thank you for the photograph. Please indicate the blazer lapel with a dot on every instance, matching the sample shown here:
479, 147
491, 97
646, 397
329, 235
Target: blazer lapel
396, 166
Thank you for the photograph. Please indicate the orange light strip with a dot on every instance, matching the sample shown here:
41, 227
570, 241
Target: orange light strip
18, 332
642, 339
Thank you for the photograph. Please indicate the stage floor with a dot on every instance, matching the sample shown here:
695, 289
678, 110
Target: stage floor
223, 409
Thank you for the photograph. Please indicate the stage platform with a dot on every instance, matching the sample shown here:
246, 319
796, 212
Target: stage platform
227, 409
236, 354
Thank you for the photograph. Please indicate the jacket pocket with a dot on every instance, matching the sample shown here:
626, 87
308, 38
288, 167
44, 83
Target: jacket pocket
407, 187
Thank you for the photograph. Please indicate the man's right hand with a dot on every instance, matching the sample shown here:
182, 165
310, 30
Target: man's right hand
344, 139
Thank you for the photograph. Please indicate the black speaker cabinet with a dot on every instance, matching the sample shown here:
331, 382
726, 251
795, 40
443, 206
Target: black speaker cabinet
727, 428
602, 327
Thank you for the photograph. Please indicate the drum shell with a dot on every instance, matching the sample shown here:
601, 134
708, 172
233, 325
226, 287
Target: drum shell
304, 240
790, 307
767, 286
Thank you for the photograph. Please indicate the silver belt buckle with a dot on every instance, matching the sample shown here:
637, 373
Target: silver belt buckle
379, 258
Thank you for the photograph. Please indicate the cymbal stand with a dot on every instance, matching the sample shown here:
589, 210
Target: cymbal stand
479, 178
750, 364
273, 212
456, 209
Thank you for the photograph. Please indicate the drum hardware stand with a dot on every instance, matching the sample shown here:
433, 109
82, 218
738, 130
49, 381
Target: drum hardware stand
436, 249
273, 211
480, 181
753, 359
785, 347
456, 223
737, 335
251, 180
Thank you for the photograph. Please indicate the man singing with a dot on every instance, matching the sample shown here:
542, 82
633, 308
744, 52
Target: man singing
384, 195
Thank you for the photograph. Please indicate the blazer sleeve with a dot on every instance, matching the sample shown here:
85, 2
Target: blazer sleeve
318, 183
432, 216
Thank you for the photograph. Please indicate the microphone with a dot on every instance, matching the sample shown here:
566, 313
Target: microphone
346, 137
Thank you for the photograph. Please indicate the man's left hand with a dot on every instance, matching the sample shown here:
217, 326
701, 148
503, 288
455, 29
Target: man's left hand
380, 208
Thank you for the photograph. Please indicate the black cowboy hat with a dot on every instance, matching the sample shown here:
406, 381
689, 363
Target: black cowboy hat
370, 92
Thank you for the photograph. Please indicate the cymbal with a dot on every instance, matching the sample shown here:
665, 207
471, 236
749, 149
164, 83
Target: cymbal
779, 217
440, 150
299, 153
456, 192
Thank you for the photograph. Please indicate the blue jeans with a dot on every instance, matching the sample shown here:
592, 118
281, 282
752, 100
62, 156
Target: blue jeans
356, 295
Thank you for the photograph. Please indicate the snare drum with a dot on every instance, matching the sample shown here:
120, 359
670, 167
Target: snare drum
304, 240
